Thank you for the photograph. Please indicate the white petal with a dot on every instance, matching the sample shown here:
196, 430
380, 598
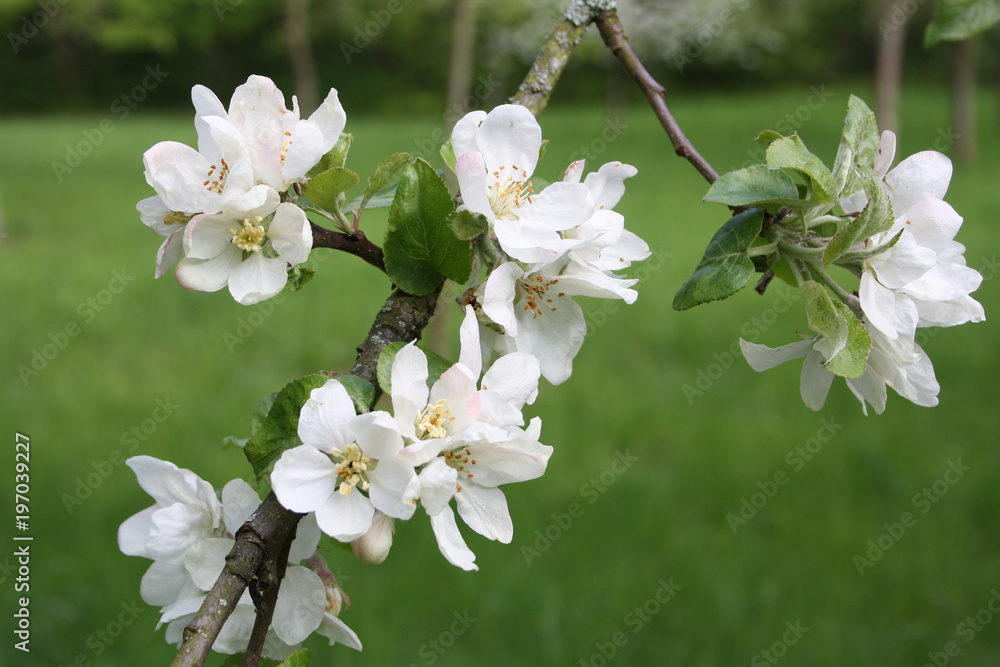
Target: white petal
878, 303
307, 536
924, 174
161, 584
346, 518
558, 207
933, 222
944, 282
239, 501
164, 481
170, 253
815, 381
510, 136
257, 278
607, 185
450, 541
471, 354
376, 434
304, 478
235, 634
471, 172
325, 419
208, 236
409, 387
300, 606
498, 297
463, 136
337, 632
134, 532
437, 486
485, 511
514, 377
554, 337
498, 464
173, 530
208, 275
885, 153
574, 172
762, 357
392, 488
206, 559
305, 150
290, 233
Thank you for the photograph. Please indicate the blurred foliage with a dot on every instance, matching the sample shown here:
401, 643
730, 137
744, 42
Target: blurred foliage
392, 54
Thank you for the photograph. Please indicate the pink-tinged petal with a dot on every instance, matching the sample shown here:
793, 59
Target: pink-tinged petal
485, 511
463, 136
304, 478
258, 278
815, 381
762, 358
337, 632
208, 236
515, 378
300, 606
574, 172
450, 541
878, 303
924, 174
307, 536
290, 234
239, 501
325, 421
933, 223
498, 297
134, 531
205, 560
409, 387
208, 275
346, 518
261, 99
471, 354
377, 435
162, 583
437, 486
554, 337
885, 153
471, 172
510, 137
607, 185
393, 487
171, 251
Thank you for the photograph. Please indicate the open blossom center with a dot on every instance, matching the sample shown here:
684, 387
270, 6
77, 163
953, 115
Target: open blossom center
216, 177
508, 191
461, 460
352, 468
249, 236
433, 420
534, 294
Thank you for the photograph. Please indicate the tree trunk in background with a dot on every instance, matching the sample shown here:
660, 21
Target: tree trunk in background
463, 46
964, 100
889, 65
300, 55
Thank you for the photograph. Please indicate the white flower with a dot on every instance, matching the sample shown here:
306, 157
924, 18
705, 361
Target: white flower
344, 456
496, 155
924, 276
247, 249
280, 146
373, 547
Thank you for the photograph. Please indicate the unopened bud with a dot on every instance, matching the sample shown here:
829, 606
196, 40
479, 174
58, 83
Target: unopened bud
373, 546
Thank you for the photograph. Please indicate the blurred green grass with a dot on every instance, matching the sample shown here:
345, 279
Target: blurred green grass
663, 518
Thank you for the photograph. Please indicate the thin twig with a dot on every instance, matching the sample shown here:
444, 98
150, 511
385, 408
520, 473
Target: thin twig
614, 37
357, 244
264, 591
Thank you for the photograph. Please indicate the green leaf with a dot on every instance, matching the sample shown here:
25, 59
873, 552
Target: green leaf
823, 318
383, 175
766, 137
336, 157
467, 225
791, 152
448, 155
381, 199
324, 188
298, 658
755, 184
858, 256
237, 659
725, 268
420, 249
858, 145
851, 361
278, 431
298, 276
436, 365
876, 217
956, 20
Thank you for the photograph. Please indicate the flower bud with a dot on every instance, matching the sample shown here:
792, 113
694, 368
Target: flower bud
373, 546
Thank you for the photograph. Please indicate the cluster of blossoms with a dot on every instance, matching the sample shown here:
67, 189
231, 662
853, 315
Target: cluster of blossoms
561, 242
913, 276
229, 219
220, 208
187, 534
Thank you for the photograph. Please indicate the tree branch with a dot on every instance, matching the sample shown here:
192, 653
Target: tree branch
356, 244
264, 591
614, 37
